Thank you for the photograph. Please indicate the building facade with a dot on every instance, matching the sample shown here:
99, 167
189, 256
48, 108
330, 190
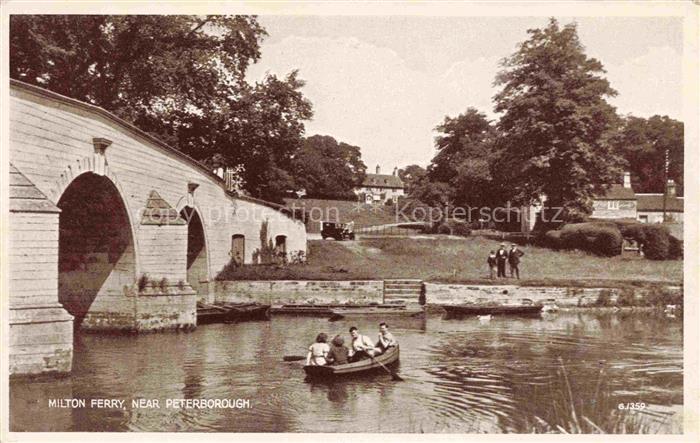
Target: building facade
620, 201
379, 188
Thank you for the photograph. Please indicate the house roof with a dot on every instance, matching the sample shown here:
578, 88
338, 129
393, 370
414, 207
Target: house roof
617, 192
382, 181
25, 197
655, 203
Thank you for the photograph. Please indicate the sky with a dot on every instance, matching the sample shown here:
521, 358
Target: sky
383, 83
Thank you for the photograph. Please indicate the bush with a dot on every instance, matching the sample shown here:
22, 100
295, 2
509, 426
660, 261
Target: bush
675, 248
551, 239
598, 238
656, 242
452, 227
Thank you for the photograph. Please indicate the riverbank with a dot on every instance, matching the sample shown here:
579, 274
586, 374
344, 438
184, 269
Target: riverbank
459, 260
437, 294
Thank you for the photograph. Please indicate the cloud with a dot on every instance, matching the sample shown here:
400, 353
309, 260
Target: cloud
649, 84
369, 96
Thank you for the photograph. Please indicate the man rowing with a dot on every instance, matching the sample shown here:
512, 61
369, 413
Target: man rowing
361, 346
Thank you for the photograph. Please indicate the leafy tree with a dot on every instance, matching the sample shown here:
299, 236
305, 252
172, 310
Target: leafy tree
181, 78
411, 175
466, 159
556, 123
643, 143
328, 169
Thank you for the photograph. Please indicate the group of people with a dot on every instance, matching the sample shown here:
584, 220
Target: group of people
361, 347
497, 261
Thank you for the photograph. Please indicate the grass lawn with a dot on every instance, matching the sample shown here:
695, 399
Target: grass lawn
459, 260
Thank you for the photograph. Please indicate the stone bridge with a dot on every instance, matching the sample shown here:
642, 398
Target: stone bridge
112, 230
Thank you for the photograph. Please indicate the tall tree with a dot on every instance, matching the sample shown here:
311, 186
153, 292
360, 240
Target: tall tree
644, 143
556, 123
328, 169
181, 78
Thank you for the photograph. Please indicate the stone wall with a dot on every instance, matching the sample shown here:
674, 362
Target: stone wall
450, 294
288, 291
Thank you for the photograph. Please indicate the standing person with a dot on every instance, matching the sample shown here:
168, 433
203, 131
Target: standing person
339, 353
514, 260
361, 346
386, 339
318, 351
501, 259
491, 260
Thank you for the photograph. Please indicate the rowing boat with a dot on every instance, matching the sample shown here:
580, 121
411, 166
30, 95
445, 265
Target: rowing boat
247, 311
230, 312
375, 311
326, 310
390, 357
525, 307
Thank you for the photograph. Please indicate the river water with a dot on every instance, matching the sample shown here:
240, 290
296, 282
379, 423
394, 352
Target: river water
460, 375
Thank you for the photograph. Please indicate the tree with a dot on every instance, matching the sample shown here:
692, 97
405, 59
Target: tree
556, 123
328, 169
411, 175
181, 78
643, 143
465, 159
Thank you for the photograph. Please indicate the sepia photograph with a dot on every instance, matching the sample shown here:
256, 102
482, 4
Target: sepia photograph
284, 221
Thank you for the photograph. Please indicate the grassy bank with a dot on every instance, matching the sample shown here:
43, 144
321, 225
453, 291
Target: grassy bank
459, 261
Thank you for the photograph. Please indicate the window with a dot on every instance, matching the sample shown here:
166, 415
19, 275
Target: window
613, 204
644, 218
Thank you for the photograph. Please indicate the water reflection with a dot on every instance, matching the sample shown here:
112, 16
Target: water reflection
461, 375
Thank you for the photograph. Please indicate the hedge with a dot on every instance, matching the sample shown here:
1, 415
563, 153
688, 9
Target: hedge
600, 239
656, 240
605, 238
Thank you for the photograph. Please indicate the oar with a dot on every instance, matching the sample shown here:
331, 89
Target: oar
394, 375
294, 357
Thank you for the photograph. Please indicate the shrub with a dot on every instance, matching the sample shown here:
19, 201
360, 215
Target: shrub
675, 248
656, 242
598, 238
452, 227
552, 239
142, 282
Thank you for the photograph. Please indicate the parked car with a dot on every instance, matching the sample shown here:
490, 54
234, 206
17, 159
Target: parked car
338, 231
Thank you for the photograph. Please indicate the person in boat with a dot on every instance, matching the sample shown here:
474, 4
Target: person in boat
361, 346
386, 339
514, 260
501, 259
339, 353
318, 352
491, 260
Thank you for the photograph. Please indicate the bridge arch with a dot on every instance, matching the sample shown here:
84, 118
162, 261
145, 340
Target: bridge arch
97, 253
197, 247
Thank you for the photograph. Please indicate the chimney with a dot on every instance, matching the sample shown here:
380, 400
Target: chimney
627, 181
377, 169
395, 170
671, 188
